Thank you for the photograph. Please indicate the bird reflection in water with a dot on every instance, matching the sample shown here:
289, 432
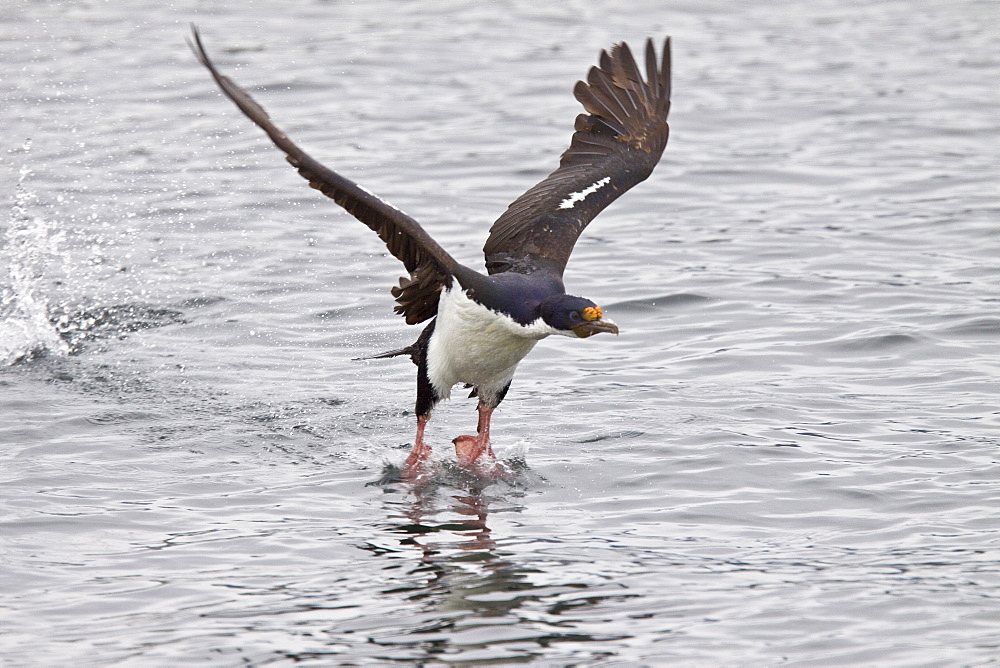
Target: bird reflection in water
468, 591
459, 562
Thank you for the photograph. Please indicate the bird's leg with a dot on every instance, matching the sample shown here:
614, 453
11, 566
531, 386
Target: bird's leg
469, 449
414, 465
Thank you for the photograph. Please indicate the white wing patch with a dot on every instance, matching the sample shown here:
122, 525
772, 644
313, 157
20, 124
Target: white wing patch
573, 198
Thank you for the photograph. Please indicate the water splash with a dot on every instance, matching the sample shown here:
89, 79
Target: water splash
30, 246
57, 295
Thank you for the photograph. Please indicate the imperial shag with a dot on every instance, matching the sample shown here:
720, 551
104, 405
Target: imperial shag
482, 326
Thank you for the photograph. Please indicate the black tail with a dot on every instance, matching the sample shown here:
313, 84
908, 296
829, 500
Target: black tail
408, 350
416, 350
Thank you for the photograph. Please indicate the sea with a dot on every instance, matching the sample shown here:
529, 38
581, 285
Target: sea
790, 456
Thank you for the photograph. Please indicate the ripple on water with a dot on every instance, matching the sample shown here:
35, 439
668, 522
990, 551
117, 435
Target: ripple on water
789, 454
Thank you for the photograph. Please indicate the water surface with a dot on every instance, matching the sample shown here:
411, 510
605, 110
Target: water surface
788, 456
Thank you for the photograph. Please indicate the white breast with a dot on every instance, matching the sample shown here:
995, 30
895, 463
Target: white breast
472, 344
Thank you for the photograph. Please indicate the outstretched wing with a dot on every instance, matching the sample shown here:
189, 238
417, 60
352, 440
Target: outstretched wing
615, 146
430, 266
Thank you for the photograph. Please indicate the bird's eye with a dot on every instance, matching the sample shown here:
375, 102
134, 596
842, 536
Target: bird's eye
575, 316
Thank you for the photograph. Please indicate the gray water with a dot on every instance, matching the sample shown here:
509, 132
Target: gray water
789, 456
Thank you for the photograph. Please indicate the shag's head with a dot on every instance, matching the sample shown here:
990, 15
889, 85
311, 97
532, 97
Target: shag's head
575, 316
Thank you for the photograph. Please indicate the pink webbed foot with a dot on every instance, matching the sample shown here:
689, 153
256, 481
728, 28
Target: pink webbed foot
469, 450
417, 464
476, 455
474, 452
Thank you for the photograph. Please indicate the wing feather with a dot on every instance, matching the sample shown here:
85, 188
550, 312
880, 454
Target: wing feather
429, 265
616, 145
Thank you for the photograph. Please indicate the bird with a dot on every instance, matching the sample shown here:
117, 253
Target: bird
481, 325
